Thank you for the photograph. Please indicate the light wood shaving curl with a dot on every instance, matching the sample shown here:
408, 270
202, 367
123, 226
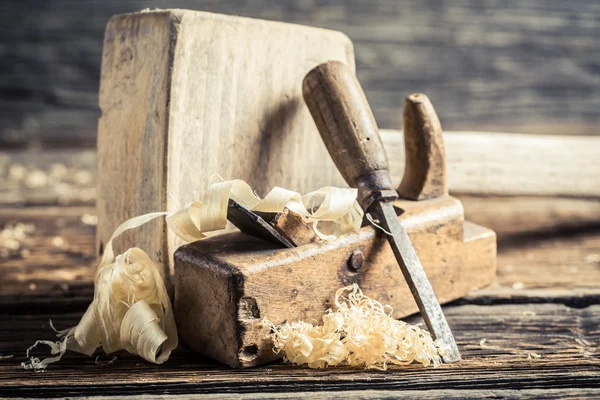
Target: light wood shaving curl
332, 204
131, 310
360, 333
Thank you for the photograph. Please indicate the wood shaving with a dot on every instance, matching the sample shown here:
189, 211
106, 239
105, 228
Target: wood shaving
89, 219
17, 172
592, 258
109, 362
528, 313
56, 348
131, 309
36, 179
360, 333
327, 204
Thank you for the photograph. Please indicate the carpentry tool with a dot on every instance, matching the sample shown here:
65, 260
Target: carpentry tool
226, 284
346, 124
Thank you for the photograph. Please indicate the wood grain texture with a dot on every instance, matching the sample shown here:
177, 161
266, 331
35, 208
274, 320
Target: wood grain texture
487, 163
532, 216
500, 65
53, 266
185, 95
572, 393
559, 394
566, 339
135, 89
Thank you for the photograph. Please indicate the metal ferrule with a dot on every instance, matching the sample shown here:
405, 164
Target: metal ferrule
375, 186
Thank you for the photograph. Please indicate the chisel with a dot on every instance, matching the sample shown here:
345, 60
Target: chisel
346, 124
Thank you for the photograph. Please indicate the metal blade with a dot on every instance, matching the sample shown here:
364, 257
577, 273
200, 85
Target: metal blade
413, 272
254, 225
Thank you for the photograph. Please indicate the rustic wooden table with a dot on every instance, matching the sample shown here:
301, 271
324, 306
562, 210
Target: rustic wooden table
534, 334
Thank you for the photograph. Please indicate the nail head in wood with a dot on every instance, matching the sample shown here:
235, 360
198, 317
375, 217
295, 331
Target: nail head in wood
356, 261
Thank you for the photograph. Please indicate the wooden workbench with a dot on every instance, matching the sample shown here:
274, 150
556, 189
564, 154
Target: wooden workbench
535, 333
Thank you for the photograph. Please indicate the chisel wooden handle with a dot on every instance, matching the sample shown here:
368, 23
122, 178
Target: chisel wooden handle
346, 124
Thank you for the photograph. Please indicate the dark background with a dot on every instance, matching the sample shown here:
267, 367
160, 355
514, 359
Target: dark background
516, 65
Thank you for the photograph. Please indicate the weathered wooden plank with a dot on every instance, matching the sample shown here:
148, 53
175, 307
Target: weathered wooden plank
573, 260
542, 394
51, 267
500, 65
559, 394
532, 215
526, 347
487, 163
534, 267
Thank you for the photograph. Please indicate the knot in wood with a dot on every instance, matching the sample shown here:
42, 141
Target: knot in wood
356, 260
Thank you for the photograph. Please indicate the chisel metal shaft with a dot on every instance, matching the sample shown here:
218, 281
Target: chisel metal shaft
346, 124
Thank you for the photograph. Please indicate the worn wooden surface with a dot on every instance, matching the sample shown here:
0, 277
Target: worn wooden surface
293, 227
188, 94
526, 347
509, 66
545, 302
487, 163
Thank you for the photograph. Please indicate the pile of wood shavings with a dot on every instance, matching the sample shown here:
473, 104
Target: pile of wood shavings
360, 333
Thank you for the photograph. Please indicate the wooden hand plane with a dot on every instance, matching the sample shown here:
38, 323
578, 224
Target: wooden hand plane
225, 285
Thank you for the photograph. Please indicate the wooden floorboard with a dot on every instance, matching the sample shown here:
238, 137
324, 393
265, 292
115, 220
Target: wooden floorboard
55, 261
525, 347
538, 394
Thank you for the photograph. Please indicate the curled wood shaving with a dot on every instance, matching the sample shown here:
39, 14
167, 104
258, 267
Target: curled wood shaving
332, 204
361, 332
131, 309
